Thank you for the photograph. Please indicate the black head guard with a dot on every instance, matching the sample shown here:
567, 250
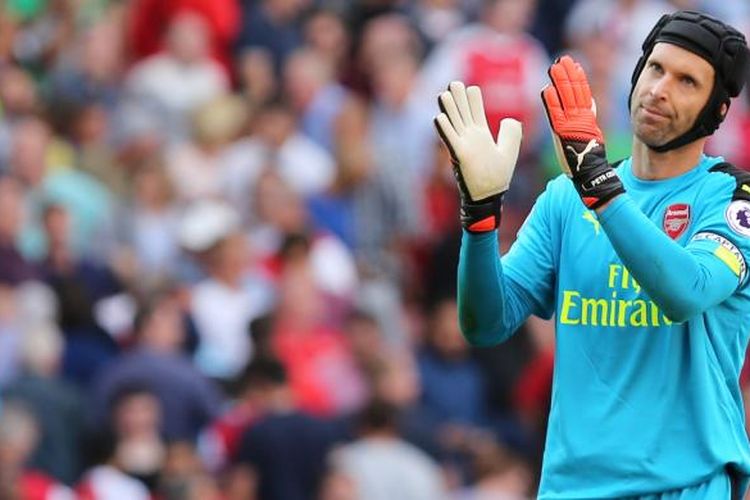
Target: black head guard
722, 46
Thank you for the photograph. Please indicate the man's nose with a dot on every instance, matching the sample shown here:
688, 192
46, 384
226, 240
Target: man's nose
660, 87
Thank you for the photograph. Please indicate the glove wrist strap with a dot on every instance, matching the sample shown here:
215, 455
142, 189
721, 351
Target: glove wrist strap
483, 215
595, 179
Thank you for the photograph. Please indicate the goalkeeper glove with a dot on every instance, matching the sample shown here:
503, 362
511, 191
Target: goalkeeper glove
579, 142
483, 167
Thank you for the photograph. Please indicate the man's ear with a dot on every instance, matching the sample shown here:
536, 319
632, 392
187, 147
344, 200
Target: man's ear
724, 110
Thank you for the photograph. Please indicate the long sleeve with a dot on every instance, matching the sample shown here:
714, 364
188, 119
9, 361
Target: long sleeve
495, 296
682, 281
481, 291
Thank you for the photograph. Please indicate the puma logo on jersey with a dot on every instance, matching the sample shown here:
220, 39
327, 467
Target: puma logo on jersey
588, 216
579, 156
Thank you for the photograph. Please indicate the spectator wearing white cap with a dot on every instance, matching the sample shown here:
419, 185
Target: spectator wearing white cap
222, 304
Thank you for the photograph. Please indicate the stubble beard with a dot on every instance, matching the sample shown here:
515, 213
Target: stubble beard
651, 134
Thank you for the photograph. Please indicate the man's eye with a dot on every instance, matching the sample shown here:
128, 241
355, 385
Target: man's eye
687, 80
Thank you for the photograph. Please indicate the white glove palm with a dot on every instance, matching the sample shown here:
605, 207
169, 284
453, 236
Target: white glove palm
485, 166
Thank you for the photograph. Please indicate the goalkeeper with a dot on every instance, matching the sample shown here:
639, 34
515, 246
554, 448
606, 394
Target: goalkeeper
643, 265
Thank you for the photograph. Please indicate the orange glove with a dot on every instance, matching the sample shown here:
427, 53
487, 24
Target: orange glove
579, 142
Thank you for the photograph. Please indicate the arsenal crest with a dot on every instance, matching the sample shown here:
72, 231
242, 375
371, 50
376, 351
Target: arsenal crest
676, 219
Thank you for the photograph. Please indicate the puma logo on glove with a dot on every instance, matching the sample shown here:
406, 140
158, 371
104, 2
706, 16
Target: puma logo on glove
591, 145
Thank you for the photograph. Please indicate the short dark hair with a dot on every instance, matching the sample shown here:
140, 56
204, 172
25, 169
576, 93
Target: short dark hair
128, 390
265, 372
148, 303
378, 415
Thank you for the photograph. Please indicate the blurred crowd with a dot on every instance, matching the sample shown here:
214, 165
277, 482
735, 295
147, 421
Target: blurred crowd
229, 234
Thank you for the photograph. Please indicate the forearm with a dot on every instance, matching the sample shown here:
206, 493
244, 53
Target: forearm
680, 281
489, 309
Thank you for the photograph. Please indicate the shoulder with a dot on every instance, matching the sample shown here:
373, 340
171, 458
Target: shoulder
560, 192
151, 65
726, 190
533, 46
724, 201
466, 33
729, 180
558, 198
560, 182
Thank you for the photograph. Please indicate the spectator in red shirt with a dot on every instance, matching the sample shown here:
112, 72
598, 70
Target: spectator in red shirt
322, 373
18, 439
148, 21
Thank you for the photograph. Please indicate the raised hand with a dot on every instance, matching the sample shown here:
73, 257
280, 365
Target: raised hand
579, 141
483, 167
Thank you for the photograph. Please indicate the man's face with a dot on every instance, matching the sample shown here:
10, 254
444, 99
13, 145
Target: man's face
670, 93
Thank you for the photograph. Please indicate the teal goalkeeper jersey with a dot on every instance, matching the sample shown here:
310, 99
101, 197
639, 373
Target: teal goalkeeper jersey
645, 396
